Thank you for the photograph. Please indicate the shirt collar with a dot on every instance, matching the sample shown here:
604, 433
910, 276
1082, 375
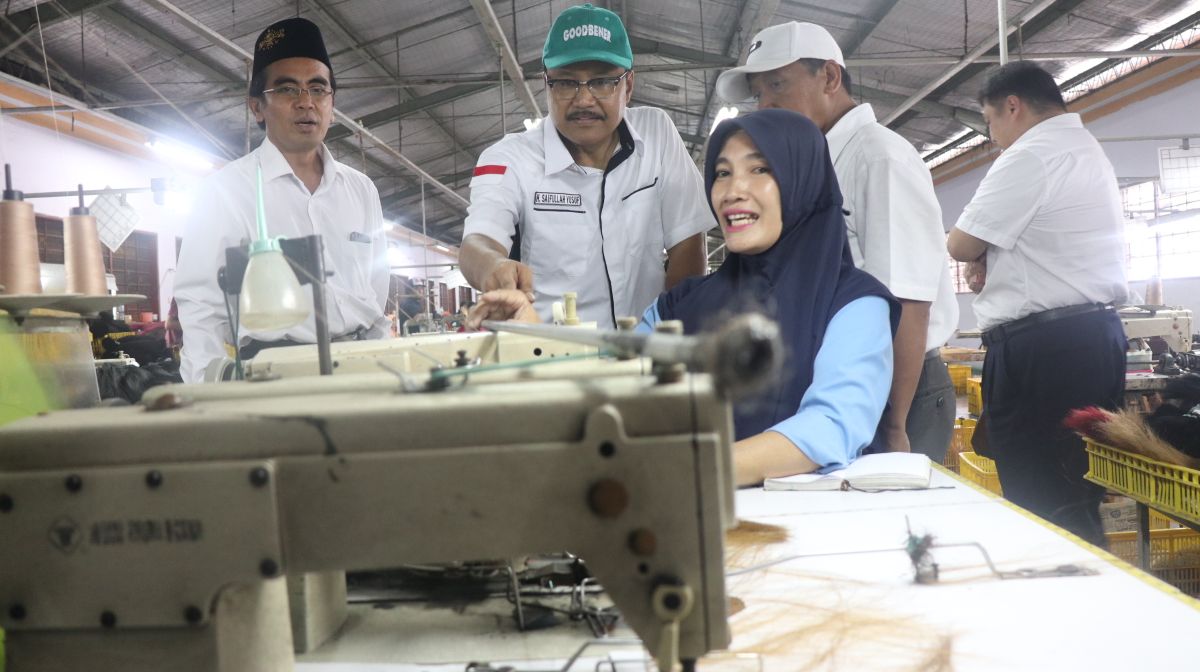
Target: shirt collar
1056, 123
275, 165
558, 157
845, 128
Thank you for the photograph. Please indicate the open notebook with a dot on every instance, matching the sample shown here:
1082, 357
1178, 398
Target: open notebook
882, 471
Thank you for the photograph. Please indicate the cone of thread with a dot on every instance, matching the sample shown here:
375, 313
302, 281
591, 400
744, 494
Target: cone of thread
19, 269
84, 261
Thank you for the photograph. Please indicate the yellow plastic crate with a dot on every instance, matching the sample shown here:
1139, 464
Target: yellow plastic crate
952, 354
975, 395
1158, 521
958, 375
960, 442
1172, 489
979, 470
1174, 555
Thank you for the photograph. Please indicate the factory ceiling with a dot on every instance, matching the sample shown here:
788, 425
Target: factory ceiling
423, 77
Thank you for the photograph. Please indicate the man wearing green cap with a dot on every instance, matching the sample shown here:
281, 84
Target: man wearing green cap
595, 194
305, 192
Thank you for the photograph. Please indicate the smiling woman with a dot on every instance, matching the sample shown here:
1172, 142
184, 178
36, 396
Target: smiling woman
773, 188
745, 197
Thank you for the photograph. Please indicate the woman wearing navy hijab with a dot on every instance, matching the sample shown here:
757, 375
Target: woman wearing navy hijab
774, 192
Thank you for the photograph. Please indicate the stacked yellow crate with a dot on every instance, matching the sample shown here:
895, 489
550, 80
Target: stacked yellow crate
981, 471
975, 395
960, 442
958, 375
1174, 556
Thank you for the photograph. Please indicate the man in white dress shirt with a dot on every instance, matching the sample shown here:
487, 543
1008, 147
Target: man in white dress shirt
893, 220
588, 201
1047, 221
305, 191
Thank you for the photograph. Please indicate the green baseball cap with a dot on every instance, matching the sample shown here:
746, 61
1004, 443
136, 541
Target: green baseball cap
587, 33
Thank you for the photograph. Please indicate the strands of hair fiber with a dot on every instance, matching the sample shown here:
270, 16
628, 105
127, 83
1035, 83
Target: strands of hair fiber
1126, 431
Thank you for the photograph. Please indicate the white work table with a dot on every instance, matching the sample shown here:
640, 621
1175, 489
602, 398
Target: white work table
843, 608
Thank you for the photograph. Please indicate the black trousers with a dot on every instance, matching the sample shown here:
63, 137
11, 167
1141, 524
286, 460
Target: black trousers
1031, 380
930, 420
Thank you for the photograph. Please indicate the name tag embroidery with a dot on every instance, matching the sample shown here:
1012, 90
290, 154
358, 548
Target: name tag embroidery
557, 200
358, 237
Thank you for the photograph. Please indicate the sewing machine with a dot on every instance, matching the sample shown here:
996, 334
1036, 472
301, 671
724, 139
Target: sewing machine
415, 353
155, 537
1174, 325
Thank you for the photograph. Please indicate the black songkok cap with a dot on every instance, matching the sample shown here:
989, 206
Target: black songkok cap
290, 38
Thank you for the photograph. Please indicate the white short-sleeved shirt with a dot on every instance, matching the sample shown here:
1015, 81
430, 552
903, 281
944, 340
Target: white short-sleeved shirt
1050, 210
893, 219
652, 200
344, 209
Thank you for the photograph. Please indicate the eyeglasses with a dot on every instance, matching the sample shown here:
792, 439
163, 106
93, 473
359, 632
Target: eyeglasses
600, 87
317, 92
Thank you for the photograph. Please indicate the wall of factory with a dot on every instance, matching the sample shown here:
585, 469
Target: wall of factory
1170, 112
43, 160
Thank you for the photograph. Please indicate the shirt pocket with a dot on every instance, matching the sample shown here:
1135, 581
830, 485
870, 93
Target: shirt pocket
648, 190
352, 259
562, 243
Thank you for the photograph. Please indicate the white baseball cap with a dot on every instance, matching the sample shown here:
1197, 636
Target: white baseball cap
776, 47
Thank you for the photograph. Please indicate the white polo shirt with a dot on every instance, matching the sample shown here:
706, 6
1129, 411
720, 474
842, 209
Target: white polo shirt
344, 209
893, 219
1050, 210
652, 200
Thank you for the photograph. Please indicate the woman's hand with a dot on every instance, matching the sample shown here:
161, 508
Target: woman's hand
503, 305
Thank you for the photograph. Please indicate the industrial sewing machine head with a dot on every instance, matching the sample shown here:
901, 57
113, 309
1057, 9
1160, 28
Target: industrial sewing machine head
1173, 325
154, 537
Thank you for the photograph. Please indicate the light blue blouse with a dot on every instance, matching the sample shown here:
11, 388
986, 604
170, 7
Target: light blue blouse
852, 377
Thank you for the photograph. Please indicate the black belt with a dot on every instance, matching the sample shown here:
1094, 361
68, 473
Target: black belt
1010, 329
251, 349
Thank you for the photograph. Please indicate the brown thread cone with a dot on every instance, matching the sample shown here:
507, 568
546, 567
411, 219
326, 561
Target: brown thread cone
85, 263
20, 272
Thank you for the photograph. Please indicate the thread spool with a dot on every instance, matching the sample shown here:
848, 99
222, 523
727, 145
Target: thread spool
81, 249
1154, 292
20, 272
569, 302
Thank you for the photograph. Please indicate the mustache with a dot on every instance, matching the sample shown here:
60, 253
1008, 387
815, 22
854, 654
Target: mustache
579, 114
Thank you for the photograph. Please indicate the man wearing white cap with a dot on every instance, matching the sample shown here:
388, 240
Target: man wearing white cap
892, 216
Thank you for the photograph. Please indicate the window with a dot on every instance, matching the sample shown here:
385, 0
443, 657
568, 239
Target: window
1162, 232
958, 275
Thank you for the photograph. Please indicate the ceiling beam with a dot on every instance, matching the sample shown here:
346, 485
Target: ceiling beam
408, 107
45, 14
370, 57
869, 25
397, 196
165, 47
755, 15
644, 46
491, 26
980, 49
969, 118
443, 96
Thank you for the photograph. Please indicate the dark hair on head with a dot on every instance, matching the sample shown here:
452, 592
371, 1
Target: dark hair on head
1025, 80
258, 84
815, 64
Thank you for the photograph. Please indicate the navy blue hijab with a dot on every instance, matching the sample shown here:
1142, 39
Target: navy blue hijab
801, 281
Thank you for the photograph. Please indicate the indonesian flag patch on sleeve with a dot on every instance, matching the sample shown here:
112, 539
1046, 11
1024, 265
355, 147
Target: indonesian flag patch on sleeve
488, 174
